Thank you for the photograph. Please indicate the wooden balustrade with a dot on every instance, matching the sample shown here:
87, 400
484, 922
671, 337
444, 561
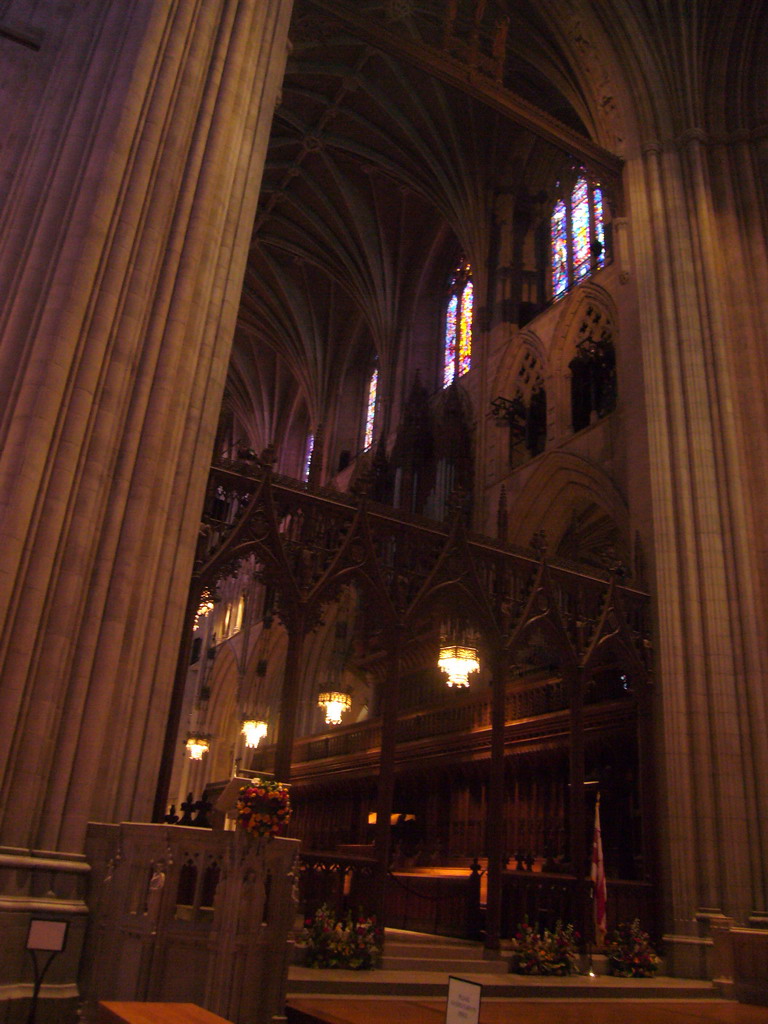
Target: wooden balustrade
534, 698
344, 883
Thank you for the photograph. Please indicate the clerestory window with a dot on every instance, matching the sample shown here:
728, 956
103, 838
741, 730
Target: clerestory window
577, 234
308, 449
370, 410
457, 337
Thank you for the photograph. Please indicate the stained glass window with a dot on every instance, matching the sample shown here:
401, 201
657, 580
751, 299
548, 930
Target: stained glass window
465, 330
457, 345
449, 362
307, 456
577, 235
559, 235
370, 411
580, 229
597, 217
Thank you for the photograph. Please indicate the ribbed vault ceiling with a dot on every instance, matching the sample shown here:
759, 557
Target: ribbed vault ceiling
376, 161
373, 166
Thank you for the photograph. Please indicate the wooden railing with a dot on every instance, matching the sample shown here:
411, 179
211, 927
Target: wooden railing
450, 904
439, 905
544, 899
341, 883
532, 699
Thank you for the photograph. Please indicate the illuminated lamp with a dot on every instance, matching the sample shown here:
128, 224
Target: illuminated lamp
253, 731
198, 744
457, 662
335, 702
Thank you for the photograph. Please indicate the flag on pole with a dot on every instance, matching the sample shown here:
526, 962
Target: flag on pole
597, 874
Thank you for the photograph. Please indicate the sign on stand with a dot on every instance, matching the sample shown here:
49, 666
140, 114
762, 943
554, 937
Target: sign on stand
463, 1001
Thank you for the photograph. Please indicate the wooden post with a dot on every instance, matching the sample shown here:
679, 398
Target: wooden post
386, 788
577, 839
289, 699
174, 712
495, 821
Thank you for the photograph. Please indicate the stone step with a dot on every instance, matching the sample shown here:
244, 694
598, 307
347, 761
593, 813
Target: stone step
416, 939
437, 949
329, 982
436, 962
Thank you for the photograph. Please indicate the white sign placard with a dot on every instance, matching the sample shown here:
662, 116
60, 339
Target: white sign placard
463, 1001
47, 935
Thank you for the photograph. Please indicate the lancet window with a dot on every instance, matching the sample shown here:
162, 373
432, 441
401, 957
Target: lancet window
370, 410
308, 449
577, 235
457, 337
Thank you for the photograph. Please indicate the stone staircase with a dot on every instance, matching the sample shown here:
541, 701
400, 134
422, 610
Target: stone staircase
416, 964
415, 951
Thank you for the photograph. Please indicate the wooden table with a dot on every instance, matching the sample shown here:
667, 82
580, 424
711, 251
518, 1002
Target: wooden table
156, 1013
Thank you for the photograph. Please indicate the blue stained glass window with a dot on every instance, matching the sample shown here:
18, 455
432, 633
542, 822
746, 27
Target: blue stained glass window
449, 361
559, 236
597, 217
580, 229
370, 410
577, 235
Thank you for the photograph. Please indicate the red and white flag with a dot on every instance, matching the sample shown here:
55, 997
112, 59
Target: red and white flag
597, 874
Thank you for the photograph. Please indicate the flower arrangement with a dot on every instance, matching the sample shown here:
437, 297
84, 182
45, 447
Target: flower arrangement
553, 952
263, 807
630, 954
348, 943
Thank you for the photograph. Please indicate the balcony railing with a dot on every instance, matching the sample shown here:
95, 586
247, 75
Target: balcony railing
535, 699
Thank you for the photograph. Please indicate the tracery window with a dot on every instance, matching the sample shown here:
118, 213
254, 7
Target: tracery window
577, 235
525, 413
370, 410
593, 369
457, 338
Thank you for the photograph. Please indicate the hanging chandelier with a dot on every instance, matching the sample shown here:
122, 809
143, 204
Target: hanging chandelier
206, 605
458, 661
335, 702
198, 744
254, 731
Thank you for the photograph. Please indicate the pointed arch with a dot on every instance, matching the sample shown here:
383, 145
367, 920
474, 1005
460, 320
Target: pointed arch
562, 488
583, 359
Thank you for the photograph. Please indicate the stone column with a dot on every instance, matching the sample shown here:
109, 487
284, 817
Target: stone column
127, 195
700, 257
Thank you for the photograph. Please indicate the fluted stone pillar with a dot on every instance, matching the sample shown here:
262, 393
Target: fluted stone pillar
700, 254
128, 186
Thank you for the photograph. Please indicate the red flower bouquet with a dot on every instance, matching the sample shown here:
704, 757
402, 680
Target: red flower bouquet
263, 807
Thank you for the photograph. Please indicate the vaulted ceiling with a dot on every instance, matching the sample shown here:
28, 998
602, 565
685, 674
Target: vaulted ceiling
382, 159
400, 122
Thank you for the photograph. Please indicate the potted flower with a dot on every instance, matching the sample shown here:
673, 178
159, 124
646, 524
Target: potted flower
551, 952
352, 943
630, 954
